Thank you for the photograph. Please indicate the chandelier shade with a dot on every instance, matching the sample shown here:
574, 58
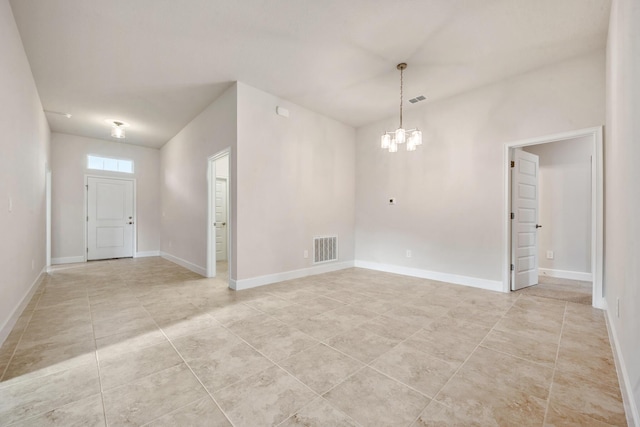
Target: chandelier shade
412, 137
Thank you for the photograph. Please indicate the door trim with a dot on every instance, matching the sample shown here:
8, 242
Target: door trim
597, 210
211, 231
135, 211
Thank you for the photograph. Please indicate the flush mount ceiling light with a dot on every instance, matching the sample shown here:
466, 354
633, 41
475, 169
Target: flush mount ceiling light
117, 128
412, 137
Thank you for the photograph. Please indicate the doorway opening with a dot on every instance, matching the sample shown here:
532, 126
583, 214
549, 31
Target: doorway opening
579, 266
218, 218
110, 230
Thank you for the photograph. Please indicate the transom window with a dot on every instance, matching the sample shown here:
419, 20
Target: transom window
108, 164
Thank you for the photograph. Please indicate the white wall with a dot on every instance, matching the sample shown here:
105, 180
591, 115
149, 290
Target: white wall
24, 157
295, 181
564, 205
184, 162
622, 192
449, 192
69, 167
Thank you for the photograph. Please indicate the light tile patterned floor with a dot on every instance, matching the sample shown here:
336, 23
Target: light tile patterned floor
145, 342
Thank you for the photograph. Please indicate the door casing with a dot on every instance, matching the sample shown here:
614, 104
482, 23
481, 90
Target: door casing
211, 230
597, 206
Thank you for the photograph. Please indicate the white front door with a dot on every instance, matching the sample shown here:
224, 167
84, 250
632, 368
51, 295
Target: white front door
524, 224
221, 219
109, 218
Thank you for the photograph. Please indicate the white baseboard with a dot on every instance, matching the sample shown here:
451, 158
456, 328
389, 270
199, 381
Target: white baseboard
184, 263
564, 274
67, 260
491, 285
268, 279
626, 388
11, 321
145, 254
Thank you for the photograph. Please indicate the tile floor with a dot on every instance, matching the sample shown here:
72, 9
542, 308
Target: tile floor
145, 342
577, 291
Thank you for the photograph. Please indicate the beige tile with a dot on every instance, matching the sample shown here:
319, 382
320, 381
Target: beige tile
324, 326
319, 413
599, 401
387, 327
505, 371
474, 396
268, 303
323, 304
231, 313
129, 341
321, 367
219, 358
371, 398
26, 399
85, 412
438, 415
542, 350
128, 322
126, 367
267, 398
282, 343
414, 315
362, 344
474, 314
448, 339
352, 315
293, 314
187, 324
561, 416
416, 369
255, 326
203, 412
44, 359
148, 398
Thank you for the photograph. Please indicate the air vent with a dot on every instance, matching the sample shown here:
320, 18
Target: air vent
417, 99
325, 249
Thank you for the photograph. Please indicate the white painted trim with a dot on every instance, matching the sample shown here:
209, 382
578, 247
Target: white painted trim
48, 218
184, 263
268, 279
17, 312
630, 408
146, 254
597, 206
565, 274
68, 260
491, 285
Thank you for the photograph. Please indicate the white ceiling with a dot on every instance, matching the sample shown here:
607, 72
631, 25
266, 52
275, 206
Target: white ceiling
156, 64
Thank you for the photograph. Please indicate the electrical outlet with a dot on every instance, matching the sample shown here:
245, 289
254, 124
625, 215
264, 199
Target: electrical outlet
549, 254
306, 254
392, 200
409, 253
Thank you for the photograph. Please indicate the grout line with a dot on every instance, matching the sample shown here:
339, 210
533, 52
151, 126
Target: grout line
13, 353
190, 369
555, 366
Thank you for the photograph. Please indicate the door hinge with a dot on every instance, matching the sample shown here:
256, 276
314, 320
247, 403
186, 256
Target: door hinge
87, 250
513, 267
87, 219
513, 164
513, 216
87, 185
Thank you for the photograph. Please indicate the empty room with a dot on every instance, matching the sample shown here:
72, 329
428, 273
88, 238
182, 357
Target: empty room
319, 213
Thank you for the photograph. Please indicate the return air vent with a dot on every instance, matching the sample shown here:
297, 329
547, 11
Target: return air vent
325, 249
417, 99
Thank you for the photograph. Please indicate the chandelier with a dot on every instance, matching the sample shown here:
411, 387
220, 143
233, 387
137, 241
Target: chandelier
412, 137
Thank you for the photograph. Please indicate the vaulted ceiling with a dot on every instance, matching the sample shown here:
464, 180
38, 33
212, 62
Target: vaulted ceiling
156, 64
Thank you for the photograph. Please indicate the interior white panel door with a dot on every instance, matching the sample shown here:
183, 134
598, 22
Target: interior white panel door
524, 225
221, 219
109, 218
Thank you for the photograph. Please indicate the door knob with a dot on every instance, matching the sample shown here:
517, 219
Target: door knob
538, 226
130, 222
